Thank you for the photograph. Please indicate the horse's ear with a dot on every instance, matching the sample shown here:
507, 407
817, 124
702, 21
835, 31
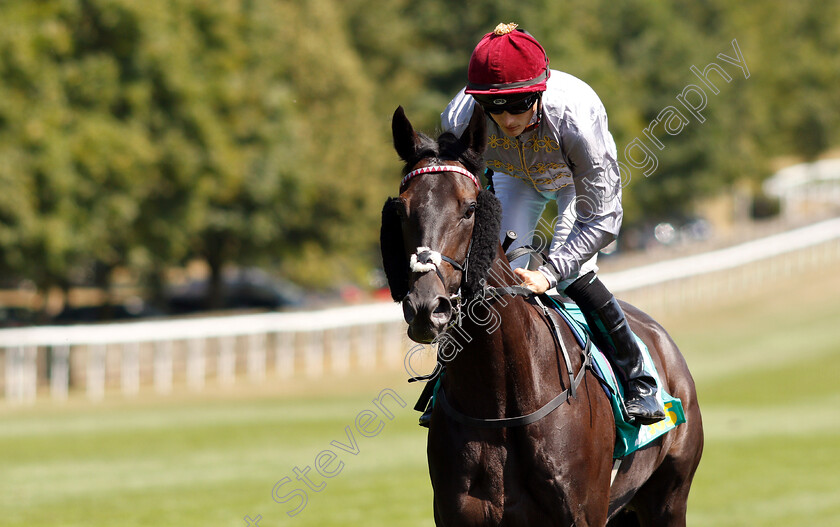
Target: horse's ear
394, 260
475, 136
405, 138
485, 241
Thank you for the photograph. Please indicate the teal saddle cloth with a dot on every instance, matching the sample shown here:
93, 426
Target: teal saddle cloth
629, 438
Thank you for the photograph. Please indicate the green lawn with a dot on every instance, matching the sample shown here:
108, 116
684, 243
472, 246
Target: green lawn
767, 382
767, 368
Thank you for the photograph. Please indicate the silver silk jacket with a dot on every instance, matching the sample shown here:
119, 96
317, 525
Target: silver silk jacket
571, 145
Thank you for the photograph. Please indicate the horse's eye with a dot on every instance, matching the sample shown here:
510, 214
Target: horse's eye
470, 211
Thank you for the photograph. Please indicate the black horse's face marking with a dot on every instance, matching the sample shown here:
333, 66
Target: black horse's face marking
440, 223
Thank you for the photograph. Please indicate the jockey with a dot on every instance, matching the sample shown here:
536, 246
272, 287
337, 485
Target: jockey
548, 140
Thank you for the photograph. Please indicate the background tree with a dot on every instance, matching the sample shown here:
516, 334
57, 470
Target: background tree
142, 135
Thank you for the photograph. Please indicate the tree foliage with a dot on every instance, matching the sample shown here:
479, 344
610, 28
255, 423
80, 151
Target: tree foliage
140, 135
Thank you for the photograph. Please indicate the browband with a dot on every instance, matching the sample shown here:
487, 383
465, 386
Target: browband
441, 168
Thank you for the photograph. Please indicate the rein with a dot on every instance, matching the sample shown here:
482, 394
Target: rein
522, 420
574, 381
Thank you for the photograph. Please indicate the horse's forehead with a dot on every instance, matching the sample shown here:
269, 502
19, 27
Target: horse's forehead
439, 185
437, 192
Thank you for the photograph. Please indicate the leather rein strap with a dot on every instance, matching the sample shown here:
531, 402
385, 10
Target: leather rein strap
533, 417
515, 290
553, 404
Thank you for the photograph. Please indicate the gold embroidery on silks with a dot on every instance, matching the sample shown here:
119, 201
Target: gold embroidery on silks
515, 171
520, 171
546, 143
536, 144
504, 167
545, 167
539, 168
505, 143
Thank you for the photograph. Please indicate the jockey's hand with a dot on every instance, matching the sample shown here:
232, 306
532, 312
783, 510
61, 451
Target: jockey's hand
533, 280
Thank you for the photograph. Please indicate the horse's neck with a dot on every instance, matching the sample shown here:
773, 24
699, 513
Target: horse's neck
495, 365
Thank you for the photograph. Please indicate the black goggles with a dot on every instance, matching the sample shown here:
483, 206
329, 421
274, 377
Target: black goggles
499, 104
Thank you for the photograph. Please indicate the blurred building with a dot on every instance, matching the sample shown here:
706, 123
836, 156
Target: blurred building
807, 189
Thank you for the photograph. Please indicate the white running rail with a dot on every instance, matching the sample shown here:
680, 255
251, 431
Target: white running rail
159, 354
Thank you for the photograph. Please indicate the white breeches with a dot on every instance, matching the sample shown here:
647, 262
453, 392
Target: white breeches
522, 208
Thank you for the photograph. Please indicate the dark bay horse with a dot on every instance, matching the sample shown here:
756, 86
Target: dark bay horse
441, 252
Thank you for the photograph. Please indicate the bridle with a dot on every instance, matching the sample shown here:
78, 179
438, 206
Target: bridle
441, 168
425, 259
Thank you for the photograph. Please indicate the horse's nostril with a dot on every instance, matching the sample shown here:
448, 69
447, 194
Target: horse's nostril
409, 311
443, 308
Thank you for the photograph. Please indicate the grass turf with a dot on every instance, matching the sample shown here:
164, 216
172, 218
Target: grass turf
765, 365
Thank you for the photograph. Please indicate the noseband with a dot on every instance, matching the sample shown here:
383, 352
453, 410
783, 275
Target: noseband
425, 259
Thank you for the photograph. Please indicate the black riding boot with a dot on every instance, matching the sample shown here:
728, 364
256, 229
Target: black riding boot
604, 314
640, 388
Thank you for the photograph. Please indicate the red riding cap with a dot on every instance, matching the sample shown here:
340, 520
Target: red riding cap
507, 60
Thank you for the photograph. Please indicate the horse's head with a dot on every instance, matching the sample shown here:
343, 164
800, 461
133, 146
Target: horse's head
440, 235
